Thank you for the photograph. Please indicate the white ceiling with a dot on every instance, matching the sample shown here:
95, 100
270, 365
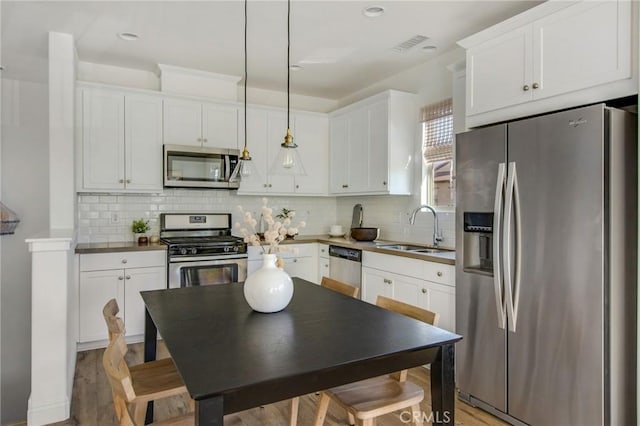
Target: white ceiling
354, 51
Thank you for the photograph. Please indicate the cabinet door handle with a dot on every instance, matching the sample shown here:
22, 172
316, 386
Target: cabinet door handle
439, 273
265, 185
384, 183
128, 180
121, 181
345, 186
326, 265
525, 87
535, 85
387, 281
121, 278
128, 277
424, 291
205, 140
199, 139
270, 185
124, 260
295, 260
297, 186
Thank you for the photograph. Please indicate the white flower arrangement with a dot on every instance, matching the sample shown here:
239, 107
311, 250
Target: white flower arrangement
276, 232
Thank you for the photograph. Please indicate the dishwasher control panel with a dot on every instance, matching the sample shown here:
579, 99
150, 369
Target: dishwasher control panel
346, 253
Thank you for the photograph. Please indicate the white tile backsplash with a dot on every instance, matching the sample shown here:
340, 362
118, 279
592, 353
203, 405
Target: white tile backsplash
108, 217
391, 215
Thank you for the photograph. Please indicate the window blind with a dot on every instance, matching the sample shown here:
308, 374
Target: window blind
437, 121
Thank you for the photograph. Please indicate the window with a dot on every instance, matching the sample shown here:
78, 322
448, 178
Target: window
437, 154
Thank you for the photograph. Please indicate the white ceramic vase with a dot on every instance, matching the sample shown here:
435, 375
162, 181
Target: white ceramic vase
269, 289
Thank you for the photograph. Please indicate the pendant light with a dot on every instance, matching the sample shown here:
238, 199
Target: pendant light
245, 170
288, 161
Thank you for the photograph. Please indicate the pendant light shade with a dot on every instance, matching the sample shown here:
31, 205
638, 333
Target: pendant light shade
246, 169
288, 161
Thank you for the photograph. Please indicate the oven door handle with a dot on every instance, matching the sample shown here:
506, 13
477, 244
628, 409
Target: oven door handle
200, 259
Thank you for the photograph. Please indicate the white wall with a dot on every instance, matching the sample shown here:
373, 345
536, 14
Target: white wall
139, 79
25, 189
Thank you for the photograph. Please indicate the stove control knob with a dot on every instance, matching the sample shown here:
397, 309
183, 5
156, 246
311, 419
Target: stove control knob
235, 248
226, 249
183, 251
194, 250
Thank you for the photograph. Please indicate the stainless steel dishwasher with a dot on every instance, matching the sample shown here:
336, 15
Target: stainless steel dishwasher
345, 265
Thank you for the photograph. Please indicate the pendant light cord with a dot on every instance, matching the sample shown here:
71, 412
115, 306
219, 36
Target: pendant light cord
245, 74
288, 54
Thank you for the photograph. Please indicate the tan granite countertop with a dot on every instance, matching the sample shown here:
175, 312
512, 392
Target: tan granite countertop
86, 248
446, 257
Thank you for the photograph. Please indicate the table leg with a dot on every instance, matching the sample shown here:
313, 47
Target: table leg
210, 412
443, 386
150, 345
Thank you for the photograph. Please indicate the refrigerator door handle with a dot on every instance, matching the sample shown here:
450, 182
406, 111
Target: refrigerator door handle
497, 272
512, 293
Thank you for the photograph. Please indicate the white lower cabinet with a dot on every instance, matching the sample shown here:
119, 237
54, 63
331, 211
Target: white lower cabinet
428, 285
300, 260
323, 261
121, 276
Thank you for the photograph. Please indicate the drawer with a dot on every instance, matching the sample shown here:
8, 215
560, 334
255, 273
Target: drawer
439, 273
291, 250
119, 260
395, 264
323, 250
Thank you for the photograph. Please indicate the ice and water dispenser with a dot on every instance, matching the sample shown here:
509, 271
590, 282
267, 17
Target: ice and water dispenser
478, 242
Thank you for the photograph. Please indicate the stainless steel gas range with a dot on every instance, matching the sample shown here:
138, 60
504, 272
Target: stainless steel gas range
202, 250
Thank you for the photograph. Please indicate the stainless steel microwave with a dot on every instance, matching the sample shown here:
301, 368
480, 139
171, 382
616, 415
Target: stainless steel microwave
197, 167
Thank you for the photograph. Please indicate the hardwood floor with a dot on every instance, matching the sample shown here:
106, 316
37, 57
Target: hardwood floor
92, 402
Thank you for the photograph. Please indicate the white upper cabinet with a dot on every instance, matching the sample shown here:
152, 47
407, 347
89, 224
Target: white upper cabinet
556, 55
266, 129
195, 123
371, 145
120, 141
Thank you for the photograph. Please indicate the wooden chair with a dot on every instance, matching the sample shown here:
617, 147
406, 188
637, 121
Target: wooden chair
155, 379
367, 399
339, 286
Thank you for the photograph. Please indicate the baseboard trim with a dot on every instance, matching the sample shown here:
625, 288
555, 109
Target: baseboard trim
42, 414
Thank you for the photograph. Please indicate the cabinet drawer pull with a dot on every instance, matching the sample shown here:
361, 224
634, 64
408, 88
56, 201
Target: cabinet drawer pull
439, 273
345, 186
424, 290
535, 85
295, 260
326, 265
124, 260
525, 87
387, 281
297, 186
128, 277
121, 278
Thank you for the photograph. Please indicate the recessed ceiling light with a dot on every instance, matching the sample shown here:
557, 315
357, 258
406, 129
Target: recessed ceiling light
128, 36
429, 48
295, 67
373, 11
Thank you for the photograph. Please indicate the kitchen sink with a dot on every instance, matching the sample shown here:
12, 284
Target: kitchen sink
403, 247
410, 248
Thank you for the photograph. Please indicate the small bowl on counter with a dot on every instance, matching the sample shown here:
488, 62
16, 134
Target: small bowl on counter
365, 234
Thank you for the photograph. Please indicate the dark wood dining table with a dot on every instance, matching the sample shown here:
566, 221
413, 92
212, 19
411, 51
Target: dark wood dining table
232, 358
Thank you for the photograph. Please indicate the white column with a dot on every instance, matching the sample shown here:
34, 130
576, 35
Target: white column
62, 80
53, 326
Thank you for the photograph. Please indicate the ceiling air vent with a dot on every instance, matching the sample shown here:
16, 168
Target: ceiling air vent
408, 44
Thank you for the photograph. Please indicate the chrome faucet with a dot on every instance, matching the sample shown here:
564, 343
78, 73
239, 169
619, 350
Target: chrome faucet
437, 237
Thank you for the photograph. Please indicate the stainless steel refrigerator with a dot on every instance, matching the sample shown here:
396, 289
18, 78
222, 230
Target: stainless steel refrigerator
546, 213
